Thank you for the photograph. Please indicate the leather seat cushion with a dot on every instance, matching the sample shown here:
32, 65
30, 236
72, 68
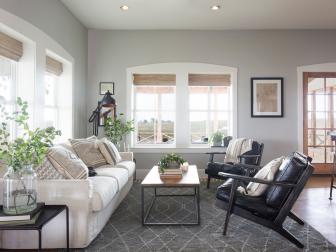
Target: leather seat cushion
120, 174
255, 205
128, 165
290, 171
103, 191
214, 168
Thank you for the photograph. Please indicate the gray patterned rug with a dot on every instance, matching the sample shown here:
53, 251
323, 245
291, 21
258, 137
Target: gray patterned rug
124, 231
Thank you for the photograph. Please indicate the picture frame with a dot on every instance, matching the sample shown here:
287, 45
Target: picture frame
267, 97
106, 86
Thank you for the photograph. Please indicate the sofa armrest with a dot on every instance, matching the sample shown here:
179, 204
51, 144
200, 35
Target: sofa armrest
126, 156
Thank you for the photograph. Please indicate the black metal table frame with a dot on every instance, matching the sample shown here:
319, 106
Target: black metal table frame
146, 213
39, 228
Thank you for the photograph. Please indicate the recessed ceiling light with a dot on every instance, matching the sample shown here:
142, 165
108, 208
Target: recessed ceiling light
124, 7
215, 7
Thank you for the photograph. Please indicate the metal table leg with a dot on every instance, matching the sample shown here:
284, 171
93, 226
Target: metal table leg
39, 240
67, 227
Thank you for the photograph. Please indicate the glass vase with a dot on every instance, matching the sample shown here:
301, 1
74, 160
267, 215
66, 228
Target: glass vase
19, 191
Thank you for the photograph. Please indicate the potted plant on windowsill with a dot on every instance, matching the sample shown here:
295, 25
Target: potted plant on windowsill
21, 156
217, 139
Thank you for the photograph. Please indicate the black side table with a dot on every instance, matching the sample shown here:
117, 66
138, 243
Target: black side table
48, 212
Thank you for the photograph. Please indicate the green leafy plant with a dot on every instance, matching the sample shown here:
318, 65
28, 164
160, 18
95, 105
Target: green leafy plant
168, 159
217, 137
31, 147
116, 128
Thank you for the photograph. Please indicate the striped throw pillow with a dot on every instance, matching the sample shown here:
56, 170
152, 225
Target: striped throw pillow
109, 151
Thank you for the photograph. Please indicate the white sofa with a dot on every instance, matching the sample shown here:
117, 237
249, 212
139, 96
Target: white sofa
91, 203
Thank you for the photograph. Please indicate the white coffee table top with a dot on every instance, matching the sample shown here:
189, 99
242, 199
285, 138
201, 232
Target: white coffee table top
189, 178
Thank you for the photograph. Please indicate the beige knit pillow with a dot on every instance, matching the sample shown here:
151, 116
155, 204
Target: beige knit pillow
87, 149
47, 171
67, 163
109, 151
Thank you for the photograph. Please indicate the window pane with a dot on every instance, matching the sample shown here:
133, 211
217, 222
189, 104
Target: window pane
198, 98
7, 84
329, 154
50, 86
220, 121
168, 101
316, 137
198, 121
315, 85
148, 97
220, 98
50, 116
317, 154
331, 85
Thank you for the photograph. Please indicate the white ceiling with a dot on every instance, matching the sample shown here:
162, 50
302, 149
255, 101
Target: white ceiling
196, 14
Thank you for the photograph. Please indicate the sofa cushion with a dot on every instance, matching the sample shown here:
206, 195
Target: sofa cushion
47, 171
87, 150
266, 173
120, 174
290, 171
109, 151
128, 165
104, 189
67, 163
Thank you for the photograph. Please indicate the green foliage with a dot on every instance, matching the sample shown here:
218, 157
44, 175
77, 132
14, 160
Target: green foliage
31, 147
167, 159
217, 137
116, 129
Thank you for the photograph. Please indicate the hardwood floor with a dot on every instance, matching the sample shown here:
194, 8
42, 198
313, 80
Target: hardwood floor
315, 208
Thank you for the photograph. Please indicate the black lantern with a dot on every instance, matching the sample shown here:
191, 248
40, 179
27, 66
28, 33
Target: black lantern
106, 109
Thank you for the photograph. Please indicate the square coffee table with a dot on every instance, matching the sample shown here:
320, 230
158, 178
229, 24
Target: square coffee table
190, 179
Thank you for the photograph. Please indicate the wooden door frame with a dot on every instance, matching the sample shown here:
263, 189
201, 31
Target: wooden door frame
323, 168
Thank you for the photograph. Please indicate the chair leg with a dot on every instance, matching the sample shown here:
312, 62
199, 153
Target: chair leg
208, 182
230, 205
289, 237
226, 223
296, 218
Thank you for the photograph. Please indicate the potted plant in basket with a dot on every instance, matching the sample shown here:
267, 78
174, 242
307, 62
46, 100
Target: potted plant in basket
116, 129
21, 156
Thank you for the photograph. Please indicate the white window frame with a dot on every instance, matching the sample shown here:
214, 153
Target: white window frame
182, 129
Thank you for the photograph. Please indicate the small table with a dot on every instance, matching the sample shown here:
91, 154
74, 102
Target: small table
48, 212
190, 179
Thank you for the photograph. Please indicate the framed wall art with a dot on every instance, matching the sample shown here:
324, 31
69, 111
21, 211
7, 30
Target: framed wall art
106, 86
267, 97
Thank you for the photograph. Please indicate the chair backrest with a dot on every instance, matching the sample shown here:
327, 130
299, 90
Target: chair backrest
226, 140
257, 149
296, 169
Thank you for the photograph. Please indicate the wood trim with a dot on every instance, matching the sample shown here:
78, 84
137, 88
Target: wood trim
54, 66
209, 79
10, 47
154, 79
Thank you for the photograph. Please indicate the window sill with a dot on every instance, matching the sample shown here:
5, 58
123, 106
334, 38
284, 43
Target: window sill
167, 149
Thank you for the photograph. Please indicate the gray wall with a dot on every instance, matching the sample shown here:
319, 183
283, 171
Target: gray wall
53, 18
255, 53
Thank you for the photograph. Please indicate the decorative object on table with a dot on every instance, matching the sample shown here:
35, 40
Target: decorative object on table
117, 129
333, 167
105, 109
184, 167
21, 156
170, 161
267, 97
23, 219
217, 139
105, 87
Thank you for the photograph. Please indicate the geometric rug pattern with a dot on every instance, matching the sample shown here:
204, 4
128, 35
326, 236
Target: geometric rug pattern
124, 231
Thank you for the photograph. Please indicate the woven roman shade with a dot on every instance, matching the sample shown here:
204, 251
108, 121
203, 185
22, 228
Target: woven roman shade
10, 47
154, 79
54, 66
209, 80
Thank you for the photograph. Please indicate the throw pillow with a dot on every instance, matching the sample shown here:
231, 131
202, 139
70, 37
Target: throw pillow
47, 171
109, 151
67, 163
266, 173
87, 149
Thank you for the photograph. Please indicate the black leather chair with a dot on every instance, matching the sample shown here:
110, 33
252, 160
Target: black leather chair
250, 158
271, 209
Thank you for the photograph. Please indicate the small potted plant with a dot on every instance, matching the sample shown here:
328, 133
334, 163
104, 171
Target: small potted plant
116, 129
217, 138
21, 156
171, 160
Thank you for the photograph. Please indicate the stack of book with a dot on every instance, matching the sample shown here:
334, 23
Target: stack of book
22, 219
172, 173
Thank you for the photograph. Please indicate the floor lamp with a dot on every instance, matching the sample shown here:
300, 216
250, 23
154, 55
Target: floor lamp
106, 108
